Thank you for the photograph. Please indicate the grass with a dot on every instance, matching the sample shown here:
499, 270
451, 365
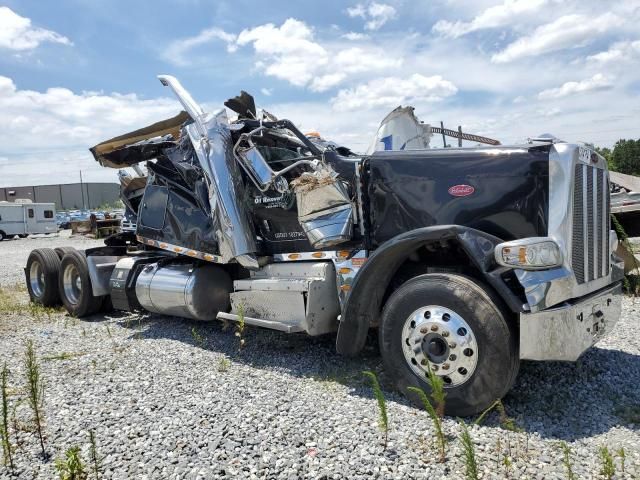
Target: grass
198, 339
223, 364
70, 467
14, 301
437, 422
607, 465
63, 356
35, 391
566, 461
4, 426
468, 449
383, 419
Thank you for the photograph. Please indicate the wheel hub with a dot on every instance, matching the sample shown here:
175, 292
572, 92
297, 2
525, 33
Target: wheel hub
72, 283
36, 278
437, 338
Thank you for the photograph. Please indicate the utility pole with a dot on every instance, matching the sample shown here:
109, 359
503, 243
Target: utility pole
82, 192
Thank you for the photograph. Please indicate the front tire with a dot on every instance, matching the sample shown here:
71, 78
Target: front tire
74, 284
451, 324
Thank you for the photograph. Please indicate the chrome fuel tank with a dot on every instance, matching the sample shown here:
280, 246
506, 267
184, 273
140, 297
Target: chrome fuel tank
184, 290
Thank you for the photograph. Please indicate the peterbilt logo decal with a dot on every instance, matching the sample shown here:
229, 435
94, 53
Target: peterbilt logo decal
461, 190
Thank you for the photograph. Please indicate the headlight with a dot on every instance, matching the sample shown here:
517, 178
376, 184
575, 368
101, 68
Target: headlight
529, 253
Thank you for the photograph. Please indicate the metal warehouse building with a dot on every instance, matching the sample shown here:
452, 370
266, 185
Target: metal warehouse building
65, 196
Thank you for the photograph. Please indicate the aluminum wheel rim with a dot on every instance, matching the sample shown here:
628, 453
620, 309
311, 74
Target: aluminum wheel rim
36, 278
436, 337
72, 284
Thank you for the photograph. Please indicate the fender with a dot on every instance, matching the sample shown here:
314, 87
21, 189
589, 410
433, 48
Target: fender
364, 302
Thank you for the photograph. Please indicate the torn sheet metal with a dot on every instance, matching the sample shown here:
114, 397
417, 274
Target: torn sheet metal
140, 145
236, 238
325, 211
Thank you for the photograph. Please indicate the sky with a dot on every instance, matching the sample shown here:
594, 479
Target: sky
76, 72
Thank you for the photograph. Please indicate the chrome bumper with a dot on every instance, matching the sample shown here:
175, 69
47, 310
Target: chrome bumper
567, 331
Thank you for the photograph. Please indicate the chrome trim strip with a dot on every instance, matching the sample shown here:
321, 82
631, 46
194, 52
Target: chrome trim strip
207, 257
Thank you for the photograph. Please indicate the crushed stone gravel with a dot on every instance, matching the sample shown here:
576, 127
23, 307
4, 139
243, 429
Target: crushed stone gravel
174, 399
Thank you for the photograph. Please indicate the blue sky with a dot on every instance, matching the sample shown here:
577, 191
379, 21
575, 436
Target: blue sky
76, 72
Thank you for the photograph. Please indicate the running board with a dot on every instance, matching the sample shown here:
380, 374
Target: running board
258, 322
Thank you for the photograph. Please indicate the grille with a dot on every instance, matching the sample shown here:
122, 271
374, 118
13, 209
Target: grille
590, 236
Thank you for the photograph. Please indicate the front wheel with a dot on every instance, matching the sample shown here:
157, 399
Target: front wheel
451, 325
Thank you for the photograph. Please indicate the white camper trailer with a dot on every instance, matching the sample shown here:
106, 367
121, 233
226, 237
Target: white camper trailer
23, 219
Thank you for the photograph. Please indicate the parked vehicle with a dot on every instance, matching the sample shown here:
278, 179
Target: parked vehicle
22, 219
465, 260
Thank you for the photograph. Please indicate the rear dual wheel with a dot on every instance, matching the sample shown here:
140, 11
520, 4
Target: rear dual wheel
455, 327
74, 285
41, 274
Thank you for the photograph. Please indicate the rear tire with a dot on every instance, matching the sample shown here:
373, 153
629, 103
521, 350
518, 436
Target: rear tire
451, 324
23, 235
74, 285
41, 274
2, 235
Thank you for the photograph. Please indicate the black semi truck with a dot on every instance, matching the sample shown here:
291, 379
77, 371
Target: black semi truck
465, 260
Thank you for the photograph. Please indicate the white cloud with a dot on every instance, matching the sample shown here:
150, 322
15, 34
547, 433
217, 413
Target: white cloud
568, 31
17, 33
392, 91
290, 52
355, 36
267, 92
497, 16
375, 14
53, 129
287, 52
618, 52
178, 51
597, 82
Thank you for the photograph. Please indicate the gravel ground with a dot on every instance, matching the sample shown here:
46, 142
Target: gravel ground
172, 399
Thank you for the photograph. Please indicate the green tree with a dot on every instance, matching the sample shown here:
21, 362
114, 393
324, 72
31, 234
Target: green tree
625, 157
606, 153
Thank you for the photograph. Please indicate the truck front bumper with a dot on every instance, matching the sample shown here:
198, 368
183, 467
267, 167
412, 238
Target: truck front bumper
567, 331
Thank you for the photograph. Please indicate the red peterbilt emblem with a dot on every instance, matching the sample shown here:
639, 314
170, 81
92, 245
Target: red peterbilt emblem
461, 190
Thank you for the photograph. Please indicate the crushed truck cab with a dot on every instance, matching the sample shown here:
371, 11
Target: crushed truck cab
465, 260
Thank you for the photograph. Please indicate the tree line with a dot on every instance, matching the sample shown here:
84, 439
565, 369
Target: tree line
624, 157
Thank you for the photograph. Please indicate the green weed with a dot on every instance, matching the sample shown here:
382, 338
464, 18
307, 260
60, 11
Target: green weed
607, 467
96, 463
566, 461
5, 439
35, 391
437, 422
383, 419
70, 467
198, 339
470, 463
223, 364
